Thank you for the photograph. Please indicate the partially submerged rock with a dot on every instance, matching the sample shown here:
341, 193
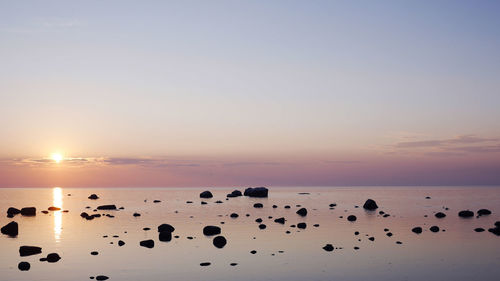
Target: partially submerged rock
440, 215
29, 250
260, 192
302, 212
370, 205
417, 230
219, 241
11, 229
328, 247
53, 257
352, 218
166, 228
147, 243
465, 214
434, 228
106, 207
93, 197
280, 220
206, 194
13, 211
258, 205
52, 208
483, 212
28, 211
24, 266
210, 230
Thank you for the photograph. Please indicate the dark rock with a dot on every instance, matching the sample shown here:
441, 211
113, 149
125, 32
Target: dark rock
156, 201
399, 242
352, 218
45, 212
302, 212
280, 220
94, 253
495, 230
53, 257
371, 238
136, 215
316, 225
234, 215
332, 205
370, 205
497, 223
258, 205
259, 220
253, 252
205, 264
43, 259
189, 202
203, 203
417, 230
210, 230
13, 211
218, 202
219, 242
106, 207
101, 278
28, 211
328, 247
11, 229
147, 243
52, 208
166, 228
440, 215
29, 250
356, 233
427, 197
165, 236
302, 225
233, 264
236, 193
479, 229
93, 196
146, 229
287, 207
275, 206
260, 192
262, 226
434, 228
24, 266
121, 243
206, 194
465, 214
483, 212
389, 234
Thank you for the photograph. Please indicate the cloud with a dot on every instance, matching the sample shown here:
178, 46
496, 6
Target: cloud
457, 146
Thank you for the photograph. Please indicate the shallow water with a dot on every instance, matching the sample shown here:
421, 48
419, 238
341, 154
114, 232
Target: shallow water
458, 253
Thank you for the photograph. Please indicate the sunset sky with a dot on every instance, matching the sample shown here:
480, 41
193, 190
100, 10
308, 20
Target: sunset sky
245, 93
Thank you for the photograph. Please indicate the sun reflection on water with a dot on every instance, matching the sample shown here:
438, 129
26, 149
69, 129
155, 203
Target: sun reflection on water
57, 201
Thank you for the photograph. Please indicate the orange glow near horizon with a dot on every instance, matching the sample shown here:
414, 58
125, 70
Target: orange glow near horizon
57, 157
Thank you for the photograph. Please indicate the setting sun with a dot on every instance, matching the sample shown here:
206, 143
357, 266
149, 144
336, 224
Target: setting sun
57, 157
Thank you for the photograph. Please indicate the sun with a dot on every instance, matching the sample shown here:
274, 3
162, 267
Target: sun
57, 157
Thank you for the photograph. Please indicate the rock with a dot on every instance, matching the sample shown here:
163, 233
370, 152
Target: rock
210, 230
440, 215
427, 197
53, 257
24, 266
302, 225
497, 223
165, 236
235, 193
371, 238
52, 208
258, 205
280, 220
370, 205
84, 215
205, 264
479, 229
136, 215
260, 192
262, 226
258, 220
417, 230
107, 207
434, 228
121, 243
156, 201
465, 214
389, 234
166, 228
328, 247
13, 211
234, 215
29, 250
28, 211
495, 230
287, 207
253, 252
206, 194
219, 242
146, 228
93, 197
233, 264
94, 253
101, 277
45, 212
483, 212
302, 212
352, 218
11, 229
147, 243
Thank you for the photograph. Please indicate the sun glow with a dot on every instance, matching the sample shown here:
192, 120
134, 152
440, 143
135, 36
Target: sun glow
57, 157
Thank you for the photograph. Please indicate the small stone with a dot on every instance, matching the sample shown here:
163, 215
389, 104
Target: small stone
483, 212
121, 243
166, 227
440, 215
370, 205
351, 218
465, 214
210, 230
147, 243
53, 257
302, 225
479, 229
29, 250
11, 229
24, 266
205, 264
280, 220
302, 212
93, 197
328, 247
94, 253
219, 241
206, 194
258, 205
234, 215
28, 211
262, 226
101, 277
417, 230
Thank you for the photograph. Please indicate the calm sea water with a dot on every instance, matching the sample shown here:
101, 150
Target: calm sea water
458, 253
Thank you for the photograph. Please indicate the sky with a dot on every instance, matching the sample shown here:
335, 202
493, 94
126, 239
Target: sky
249, 93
